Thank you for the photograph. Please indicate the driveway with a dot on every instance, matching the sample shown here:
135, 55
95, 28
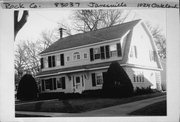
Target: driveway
118, 110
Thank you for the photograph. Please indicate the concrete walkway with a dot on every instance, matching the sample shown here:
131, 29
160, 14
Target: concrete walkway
118, 110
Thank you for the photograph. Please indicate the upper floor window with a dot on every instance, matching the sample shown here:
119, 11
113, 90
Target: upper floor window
96, 53
51, 61
105, 51
76, 56
113, 50
85, 55
68, 58
133, 52
152, 55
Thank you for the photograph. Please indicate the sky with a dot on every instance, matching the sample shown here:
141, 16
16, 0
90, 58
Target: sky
45, 20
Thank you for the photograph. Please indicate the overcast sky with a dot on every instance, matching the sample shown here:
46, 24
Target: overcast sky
42, 20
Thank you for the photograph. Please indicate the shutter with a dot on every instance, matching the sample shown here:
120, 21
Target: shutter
107, 51
82, 80
119, 52
62, 59
53, 61
42, 83
50, 83
63, 83
104, 76
54, 83
91, 54
49, 61
73, 82
42, 63
102, 52
93, 79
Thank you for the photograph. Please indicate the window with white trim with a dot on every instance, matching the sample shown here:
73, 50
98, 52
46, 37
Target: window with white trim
133, 52
97, 54
97, 79
113, 50
138, 77
68, 58
76, 56
85, 55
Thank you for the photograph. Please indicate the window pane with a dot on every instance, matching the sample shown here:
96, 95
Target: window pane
76, 55
99, 79
113, 48
85, 55
77, 79
59, 83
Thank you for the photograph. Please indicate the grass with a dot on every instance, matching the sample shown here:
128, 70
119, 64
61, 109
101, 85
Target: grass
80, 104
156, 109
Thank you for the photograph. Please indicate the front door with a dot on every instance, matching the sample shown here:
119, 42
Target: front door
78, 84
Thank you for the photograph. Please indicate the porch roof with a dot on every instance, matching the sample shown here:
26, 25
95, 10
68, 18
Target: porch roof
73, 69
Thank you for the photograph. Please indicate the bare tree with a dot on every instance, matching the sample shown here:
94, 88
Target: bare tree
159, 38
27, 54
26, 59
48, 37
66, 29
89, 20
19, 24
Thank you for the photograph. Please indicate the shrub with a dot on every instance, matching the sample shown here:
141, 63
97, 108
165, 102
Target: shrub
92, 93
141, 91
116, 82
27, 88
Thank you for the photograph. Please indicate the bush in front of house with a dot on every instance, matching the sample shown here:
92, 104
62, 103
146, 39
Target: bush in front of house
92, 93
27, 88
147, 90
116, 82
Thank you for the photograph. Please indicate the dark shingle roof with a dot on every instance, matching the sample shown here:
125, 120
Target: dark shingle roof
91, 37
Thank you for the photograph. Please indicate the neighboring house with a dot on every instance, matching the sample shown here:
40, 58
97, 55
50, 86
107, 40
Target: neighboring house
78, 62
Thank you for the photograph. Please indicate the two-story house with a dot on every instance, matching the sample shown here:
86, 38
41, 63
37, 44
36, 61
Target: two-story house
78, 62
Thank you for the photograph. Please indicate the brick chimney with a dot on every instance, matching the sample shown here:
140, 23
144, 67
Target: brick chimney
61, 32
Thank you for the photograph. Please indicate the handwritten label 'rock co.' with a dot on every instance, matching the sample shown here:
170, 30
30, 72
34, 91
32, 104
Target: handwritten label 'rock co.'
20, 5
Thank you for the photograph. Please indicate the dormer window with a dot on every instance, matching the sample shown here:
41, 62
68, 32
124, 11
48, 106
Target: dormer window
76, 56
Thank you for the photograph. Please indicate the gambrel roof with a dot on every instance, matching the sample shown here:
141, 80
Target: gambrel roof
91, 37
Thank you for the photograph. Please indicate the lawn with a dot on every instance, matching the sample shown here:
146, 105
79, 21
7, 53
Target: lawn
80, 104
156, 109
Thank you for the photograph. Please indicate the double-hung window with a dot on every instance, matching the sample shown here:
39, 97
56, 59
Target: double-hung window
113, 50
97, 54
97, 79
51, 61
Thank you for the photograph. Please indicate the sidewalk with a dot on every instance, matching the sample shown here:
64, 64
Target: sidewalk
118, 110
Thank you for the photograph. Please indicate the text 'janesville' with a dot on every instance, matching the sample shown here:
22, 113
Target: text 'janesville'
96, 5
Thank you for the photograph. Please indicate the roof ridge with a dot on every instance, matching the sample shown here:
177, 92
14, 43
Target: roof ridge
99, 34
100, 29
